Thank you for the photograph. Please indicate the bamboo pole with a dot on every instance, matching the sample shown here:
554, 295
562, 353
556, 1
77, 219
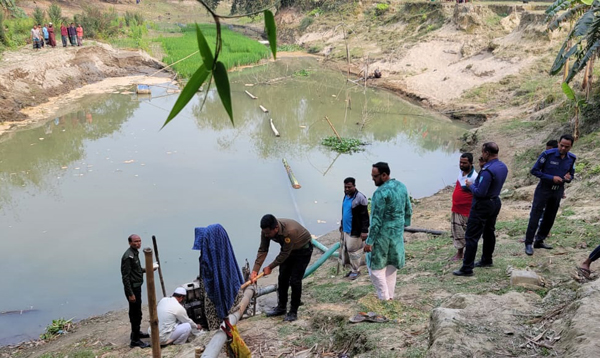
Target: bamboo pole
293, 180
332, 127
162, 282
275, 131
263, 109
251, 95
151, 288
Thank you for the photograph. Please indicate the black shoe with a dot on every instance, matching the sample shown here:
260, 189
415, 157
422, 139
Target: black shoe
140, 344
529, 250
290, 317
277, 311
541, 245
462, 273
143, 335
483, 264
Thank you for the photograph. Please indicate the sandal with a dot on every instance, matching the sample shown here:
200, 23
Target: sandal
376, 318
353, 276
584, 272
359, 317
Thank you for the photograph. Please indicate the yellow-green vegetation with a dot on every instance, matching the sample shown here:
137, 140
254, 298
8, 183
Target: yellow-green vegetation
56, 328
238, 50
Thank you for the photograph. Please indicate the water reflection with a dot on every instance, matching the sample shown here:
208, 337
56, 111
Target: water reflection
299, 103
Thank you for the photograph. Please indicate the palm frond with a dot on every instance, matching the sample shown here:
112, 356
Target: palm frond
562, 57
580, 63
583, 25
559, 5
568, 15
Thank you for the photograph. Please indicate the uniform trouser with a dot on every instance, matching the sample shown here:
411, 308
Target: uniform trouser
545, 202
181, 333
135, 313
352, 251
64, 40
384, 281
595, 255
482, 221
291, 272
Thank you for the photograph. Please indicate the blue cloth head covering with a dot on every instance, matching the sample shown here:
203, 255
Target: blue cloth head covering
219, 269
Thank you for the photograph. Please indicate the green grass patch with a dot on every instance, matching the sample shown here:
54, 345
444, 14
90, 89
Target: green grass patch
237, 50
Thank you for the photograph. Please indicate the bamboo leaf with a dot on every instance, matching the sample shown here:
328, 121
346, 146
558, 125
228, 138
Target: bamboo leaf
587, 2
188, 92
205, 52
568, 15
568, 91
222, 82
271, 32
582, 26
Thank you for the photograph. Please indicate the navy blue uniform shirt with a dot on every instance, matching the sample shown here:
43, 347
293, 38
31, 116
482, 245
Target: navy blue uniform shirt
550, 164
490, 180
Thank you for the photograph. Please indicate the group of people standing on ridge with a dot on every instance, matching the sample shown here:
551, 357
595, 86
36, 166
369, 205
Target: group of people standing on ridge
42, 36
376, 238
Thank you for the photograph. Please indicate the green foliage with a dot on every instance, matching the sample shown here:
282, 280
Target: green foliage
222, 83
17, 32
315, 12
55, 14
301, 73
58, 326
271, 31
381, 9
346, 145
237, 49
305, 23
39, 15
289, 48
98, 24
133, 18
3, 38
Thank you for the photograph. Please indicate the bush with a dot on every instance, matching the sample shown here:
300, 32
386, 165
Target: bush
98, 24
305, 23
39, 15
55, 14
133, 18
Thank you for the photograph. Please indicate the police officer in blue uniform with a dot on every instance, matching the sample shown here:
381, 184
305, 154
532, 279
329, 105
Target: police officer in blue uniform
554, 167
484, 210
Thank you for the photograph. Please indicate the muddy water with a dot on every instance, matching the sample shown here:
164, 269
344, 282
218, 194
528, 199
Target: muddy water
73, 189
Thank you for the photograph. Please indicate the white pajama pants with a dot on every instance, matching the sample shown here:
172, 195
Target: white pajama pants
384, 281
181, 333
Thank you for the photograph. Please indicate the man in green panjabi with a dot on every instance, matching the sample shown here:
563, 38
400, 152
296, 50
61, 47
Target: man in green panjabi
390, 213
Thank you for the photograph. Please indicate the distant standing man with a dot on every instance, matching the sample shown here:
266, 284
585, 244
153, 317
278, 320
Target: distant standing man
64, 32
554, 167
132, 274
296, 250
484, 210
462, 199
79, 31
390, 213
35, 37
72, 34
46, 34
354, 227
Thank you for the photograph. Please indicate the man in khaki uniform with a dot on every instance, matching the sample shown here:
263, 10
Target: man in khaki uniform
296, 250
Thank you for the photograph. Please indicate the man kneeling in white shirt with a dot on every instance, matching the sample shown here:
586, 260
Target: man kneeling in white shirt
174, 325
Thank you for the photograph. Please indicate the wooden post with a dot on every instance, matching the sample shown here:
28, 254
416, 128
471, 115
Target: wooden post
263, 109
251, 95
162, 282
332, 127
275, 131
151, 288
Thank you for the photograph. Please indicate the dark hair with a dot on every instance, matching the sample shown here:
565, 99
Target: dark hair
130, 238
268, 222
469, 157
350, 180
382, 167
553, 143
567, 137
491, 147
178, 295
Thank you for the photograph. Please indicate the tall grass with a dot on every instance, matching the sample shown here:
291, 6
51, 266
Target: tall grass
238, 50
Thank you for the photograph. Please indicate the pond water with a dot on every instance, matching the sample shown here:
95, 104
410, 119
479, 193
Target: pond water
73, 189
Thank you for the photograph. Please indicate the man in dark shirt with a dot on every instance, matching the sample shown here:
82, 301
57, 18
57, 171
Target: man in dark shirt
554, 167
484, 210
132, 275
296, 250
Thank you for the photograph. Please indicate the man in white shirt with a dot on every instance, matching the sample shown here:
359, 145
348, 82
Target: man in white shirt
174, 325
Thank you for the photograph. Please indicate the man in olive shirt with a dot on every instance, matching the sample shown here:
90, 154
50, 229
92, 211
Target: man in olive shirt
132, 274
296, 250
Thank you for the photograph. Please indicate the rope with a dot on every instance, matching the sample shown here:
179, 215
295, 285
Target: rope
176, 62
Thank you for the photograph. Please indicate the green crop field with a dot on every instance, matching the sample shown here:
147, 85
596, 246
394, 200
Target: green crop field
237, 49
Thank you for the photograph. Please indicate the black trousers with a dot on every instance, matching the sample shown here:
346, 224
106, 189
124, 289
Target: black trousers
291, 273
595, 255
545, 202
135, 314
482, 221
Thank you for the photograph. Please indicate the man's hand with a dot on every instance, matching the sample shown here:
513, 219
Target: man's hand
267, 271
131, 298
557, 180
367, 248
253, 277
198, 327
364, 235
568, 177
468, 183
